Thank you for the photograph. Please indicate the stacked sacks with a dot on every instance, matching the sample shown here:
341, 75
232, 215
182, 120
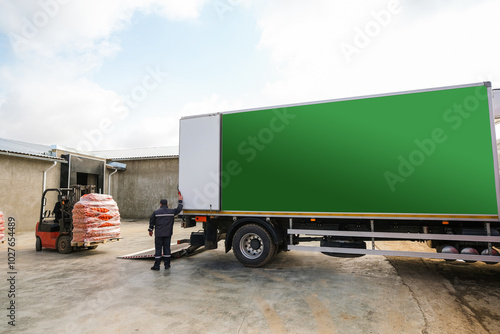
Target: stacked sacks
2, 227
95, 217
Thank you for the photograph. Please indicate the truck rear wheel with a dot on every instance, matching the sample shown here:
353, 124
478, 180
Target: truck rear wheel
253, 246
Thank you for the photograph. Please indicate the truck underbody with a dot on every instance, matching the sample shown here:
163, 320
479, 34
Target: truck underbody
255, 240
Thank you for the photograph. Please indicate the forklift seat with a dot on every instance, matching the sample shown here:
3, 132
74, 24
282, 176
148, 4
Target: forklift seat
48, 227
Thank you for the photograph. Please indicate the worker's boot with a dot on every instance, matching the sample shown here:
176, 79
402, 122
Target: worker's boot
167, 262
156, 266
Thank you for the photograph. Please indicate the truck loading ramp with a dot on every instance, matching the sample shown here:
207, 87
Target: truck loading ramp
176, 251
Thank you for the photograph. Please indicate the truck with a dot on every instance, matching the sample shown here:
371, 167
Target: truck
336, 176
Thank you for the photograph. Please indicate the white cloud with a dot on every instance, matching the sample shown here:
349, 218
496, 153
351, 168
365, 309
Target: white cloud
214, 104
53, 111
429, 43
179, 10
47, 94
418, 46
148, 131
139, 129
48, 27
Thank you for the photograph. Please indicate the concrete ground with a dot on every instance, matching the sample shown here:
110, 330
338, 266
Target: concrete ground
92, 291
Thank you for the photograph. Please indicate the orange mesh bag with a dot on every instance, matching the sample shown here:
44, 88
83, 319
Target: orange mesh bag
95, 217
2, 227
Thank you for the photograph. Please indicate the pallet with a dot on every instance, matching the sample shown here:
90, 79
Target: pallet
93, 243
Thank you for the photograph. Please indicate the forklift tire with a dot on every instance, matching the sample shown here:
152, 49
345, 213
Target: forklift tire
64, 244
38, 246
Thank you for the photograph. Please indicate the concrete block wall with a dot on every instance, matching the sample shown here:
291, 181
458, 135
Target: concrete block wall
138, 190
21, 187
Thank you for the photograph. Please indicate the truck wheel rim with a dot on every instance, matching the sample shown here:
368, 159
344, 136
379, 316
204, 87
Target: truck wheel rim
251, 246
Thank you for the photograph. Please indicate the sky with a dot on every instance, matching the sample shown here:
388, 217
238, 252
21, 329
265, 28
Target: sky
113, 74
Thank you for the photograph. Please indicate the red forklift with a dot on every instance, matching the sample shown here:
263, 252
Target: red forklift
54, 229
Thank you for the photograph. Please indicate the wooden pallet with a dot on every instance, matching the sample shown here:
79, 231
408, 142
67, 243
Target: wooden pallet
93, 243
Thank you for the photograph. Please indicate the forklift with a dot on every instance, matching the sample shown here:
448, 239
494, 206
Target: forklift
54, 228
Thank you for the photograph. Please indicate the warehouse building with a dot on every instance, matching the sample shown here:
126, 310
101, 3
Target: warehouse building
138, 179
146, 176
25, 169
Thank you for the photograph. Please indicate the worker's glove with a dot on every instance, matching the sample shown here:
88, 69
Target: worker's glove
150, 233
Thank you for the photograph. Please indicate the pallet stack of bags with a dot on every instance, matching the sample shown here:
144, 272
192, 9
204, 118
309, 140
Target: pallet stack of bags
95, 217
2, 227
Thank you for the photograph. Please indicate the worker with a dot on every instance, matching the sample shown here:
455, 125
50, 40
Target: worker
162, 220
58, 212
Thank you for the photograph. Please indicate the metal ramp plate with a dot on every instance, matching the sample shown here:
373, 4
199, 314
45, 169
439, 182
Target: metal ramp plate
176, 250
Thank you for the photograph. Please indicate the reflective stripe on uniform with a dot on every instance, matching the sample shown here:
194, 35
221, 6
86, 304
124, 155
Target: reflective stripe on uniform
165, 215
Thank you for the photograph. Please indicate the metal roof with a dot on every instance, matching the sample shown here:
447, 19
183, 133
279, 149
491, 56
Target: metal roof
27, 150
140, 153
69, 150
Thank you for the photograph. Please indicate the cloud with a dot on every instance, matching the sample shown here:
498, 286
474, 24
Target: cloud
399, 46
54, 111
179, 10
136, 128
47, 93
61, 44
146, 131
213, 104
48, 27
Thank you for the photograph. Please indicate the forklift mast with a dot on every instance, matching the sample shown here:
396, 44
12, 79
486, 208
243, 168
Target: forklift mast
62, 213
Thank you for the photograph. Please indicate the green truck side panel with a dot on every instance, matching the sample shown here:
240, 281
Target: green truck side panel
425, 152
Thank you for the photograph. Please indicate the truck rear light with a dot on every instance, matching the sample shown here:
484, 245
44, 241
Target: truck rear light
202, 219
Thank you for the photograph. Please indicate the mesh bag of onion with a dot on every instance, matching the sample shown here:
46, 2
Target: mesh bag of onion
95, 217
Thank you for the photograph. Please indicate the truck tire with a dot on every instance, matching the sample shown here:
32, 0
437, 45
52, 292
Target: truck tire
253, 246
64, 244
38, 245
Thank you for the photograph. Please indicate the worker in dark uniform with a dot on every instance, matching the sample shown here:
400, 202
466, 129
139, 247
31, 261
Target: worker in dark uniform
58, 212
162, 221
